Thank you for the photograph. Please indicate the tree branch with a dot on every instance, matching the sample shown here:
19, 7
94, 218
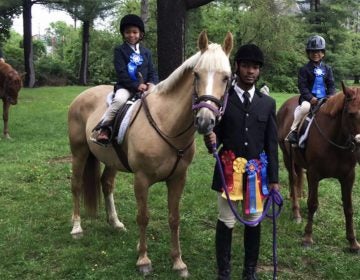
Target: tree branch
192, 4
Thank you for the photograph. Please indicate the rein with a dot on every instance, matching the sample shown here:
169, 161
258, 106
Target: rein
349, 144
179, 152
273, 199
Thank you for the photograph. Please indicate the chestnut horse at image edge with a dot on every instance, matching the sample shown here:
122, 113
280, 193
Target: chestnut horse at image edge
159, 144
10, 85
332, 151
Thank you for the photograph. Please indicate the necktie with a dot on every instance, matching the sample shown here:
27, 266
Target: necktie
246, 97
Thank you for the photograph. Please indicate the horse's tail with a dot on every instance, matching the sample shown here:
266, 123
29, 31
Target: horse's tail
91, 185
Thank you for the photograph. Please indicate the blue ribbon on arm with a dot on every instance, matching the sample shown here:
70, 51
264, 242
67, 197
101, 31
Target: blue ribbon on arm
264, 163
251, 169
136, 60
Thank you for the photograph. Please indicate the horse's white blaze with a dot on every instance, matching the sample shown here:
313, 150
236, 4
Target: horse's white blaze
210, 83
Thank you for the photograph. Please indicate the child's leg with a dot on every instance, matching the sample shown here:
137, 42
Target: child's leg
300, 113
121, 96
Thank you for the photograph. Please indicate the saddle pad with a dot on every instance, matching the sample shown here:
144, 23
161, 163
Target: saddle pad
304, 130
126, 120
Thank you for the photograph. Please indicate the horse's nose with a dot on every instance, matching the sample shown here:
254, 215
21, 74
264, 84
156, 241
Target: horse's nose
204, 125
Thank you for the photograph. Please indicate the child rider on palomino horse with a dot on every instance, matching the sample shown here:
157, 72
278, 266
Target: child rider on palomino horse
134, 68
315, 82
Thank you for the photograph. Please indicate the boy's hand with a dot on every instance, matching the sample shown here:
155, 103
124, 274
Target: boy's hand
210, 141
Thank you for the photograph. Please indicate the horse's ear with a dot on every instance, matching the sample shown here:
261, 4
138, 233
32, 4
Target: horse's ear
203, 41
228, 43
343, 87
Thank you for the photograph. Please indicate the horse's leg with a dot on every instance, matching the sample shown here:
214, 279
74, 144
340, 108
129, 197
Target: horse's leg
141, 186
78, 165
346, 195
294, 179
108, 184
6, 106
312, 204
296, 186
175, 189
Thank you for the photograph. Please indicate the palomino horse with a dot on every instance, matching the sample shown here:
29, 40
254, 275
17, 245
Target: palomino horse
10, 85
159, 144
332, 151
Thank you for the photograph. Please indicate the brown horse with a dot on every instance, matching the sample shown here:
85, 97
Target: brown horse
159, 144
332, 151
10, 85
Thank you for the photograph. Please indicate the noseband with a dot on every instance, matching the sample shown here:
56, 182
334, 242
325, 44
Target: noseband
200, 102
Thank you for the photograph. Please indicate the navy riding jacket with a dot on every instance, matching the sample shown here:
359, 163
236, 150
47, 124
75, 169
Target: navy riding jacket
122, 58
306, 80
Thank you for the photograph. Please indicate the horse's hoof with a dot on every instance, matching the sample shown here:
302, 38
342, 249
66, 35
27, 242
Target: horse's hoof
298, 220
120, 227
184, 273
77, 235
77, 232
354, 251
307, 244
145, 269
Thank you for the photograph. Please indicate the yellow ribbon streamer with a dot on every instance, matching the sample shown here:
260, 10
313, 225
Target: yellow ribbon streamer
239, 169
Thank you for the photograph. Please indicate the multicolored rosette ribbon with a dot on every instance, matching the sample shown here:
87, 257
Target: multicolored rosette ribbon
136, 60
253, 201
238, 171
263, 170
227, 159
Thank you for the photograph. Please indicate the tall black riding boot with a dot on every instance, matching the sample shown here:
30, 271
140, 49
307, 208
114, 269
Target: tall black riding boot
252, 247
223, 239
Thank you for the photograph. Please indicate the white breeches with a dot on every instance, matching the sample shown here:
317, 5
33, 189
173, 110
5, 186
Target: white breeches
228, 217
299, 114
121, 96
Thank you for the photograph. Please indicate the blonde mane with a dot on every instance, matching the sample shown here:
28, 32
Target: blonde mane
213, 59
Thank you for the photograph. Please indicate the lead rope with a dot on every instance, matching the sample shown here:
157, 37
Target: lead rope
273, 199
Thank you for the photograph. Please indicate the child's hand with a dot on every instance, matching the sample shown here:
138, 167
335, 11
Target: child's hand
313, 101
142, 87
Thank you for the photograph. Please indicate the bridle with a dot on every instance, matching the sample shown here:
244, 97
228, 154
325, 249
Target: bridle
200, 102
350, 143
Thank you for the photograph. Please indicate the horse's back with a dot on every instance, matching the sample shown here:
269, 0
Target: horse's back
85, 110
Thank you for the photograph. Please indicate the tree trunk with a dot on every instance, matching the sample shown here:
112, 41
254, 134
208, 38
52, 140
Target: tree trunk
170, 40
28, 46
357, 79
83, 75
171, 16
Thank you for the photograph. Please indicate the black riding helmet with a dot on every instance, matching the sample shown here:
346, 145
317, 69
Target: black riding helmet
131, 20
250, 52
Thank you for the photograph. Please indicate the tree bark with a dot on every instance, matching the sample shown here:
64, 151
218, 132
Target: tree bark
171, 17
83, 75
28, 47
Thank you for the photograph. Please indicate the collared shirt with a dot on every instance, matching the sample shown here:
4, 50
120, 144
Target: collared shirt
240, 92
135, 48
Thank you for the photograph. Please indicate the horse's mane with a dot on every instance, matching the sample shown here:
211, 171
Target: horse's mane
334, 104
212, 59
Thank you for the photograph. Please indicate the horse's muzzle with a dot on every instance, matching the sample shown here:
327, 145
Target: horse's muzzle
205, 121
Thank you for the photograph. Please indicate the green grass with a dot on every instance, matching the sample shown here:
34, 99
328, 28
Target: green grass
36, 205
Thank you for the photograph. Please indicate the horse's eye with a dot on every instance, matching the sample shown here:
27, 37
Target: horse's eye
196, 75
226, 79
